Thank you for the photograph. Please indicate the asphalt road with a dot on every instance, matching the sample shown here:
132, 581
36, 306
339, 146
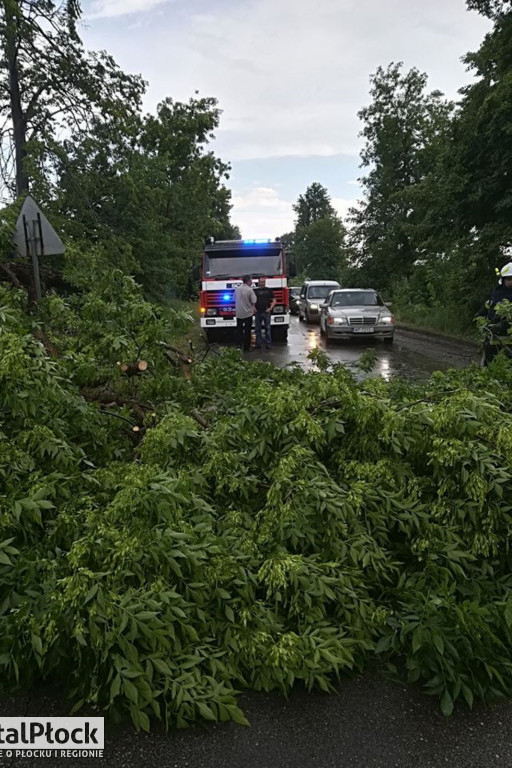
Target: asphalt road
370, 723
412, 354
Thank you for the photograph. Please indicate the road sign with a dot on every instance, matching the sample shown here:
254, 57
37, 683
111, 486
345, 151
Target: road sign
34, 236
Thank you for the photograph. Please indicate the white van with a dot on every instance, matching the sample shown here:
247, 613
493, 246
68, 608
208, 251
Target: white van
312, 295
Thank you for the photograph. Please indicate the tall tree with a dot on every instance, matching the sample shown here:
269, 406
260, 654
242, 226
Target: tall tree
314, 204
51, 86
481, 156
402, 126
319, 235
152, 186
320, 250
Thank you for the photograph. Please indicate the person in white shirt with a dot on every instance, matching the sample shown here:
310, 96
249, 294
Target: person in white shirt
245, 302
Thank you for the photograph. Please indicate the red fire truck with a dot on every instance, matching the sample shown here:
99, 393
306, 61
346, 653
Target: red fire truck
225, 262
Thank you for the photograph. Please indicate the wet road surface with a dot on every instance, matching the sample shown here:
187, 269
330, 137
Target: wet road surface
370, 723
412, 354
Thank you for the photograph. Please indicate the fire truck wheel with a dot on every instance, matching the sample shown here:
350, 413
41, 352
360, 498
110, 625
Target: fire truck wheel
211, 335
280, 334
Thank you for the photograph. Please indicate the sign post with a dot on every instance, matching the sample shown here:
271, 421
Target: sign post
35, 237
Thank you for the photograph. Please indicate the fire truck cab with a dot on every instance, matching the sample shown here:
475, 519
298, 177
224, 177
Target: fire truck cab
225, 262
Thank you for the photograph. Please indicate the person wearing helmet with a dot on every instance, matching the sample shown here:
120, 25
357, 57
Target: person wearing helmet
497, 328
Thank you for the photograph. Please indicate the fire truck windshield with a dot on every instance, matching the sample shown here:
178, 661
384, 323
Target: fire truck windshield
238, 266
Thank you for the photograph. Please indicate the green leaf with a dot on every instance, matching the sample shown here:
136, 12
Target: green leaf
115, 687
446, 704
130, 690
4, 559
205, 711
439, 644
237, 715
37, 643
468, 695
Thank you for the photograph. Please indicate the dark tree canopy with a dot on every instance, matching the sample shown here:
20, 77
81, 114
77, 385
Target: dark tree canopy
493, 9
51, 86
313, 205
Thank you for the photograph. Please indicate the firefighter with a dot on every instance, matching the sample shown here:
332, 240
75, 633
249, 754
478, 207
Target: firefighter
497, 336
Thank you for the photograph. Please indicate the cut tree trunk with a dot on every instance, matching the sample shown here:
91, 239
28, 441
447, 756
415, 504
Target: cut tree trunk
134, 368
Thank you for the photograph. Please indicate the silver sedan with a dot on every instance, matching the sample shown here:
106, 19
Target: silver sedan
352, 312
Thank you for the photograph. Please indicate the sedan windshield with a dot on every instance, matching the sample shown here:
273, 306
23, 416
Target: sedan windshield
319, 291
356, 299
239, 264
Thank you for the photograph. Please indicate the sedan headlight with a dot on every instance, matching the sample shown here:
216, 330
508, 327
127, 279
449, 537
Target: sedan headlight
336, 320
386, 320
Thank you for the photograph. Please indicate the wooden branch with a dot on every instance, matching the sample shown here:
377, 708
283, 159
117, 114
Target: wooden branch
177, 351
118, 416
47, 344
184, 360
12, 277
195, 415
110, 399
32, 103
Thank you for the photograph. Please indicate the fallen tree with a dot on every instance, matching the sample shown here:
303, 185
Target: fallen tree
263, 527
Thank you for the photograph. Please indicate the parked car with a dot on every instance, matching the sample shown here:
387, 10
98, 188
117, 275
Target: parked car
312, 295
294, 299
352, 312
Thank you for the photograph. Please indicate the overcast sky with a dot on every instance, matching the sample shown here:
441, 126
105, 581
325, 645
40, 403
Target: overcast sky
290, 77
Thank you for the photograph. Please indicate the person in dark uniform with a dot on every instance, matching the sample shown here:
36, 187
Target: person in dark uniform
497, 335
265, 302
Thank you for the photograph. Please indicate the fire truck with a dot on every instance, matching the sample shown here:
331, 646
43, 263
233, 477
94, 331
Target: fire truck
225, 262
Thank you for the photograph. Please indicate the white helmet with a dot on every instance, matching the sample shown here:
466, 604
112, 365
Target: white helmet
506, 271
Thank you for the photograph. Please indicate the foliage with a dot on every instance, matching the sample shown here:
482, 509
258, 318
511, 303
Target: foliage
143, 188
161, 191
317, 243
494, 9
436, 209
404, 130
304, 526
482, 145
313, 205
319, 249
52, 85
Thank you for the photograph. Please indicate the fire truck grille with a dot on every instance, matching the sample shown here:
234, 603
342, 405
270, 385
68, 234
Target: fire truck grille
220, 298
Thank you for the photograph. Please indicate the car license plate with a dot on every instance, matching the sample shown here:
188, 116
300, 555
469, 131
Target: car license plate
364, 329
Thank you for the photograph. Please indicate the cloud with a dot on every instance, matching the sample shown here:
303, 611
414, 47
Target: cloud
109, 8
290, 78
342, 205
259, 212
